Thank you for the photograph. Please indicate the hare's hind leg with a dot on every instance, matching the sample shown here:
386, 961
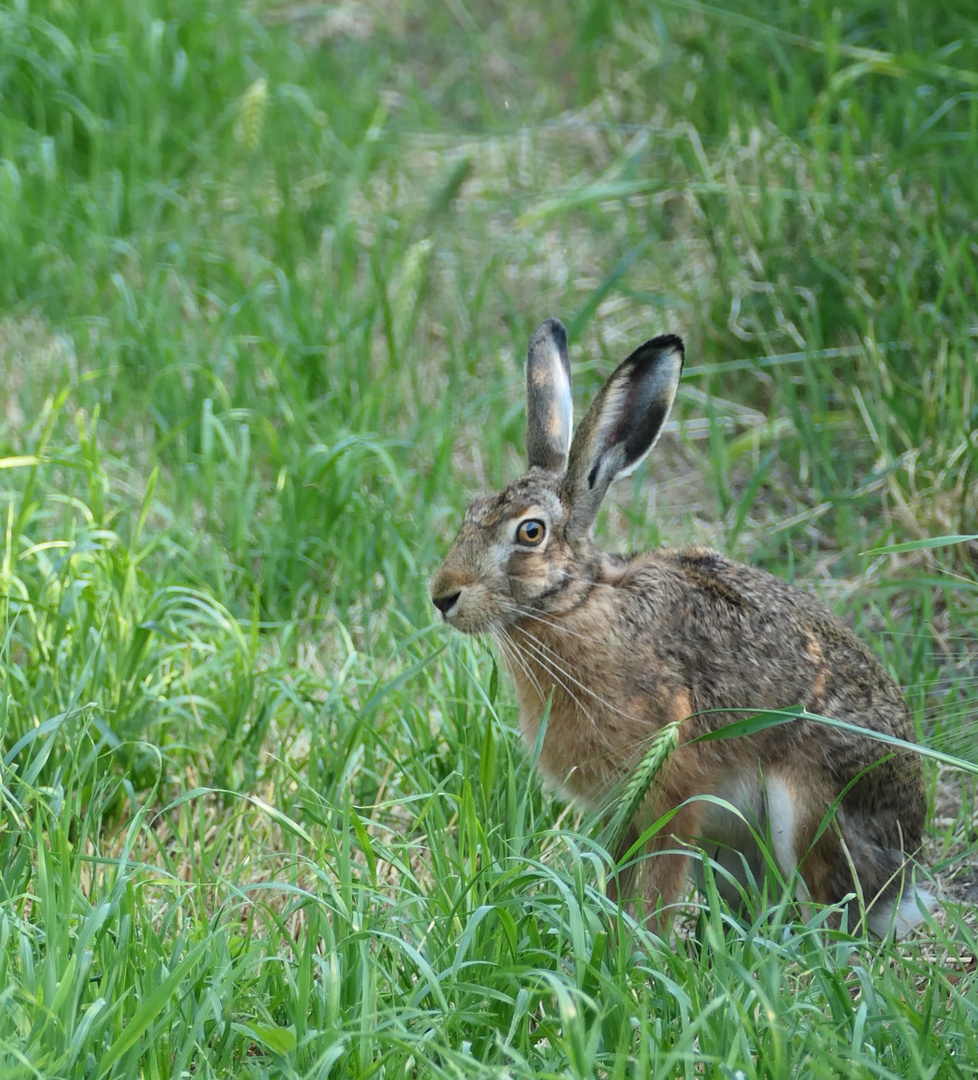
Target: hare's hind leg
842, 856
894, 902
807, 848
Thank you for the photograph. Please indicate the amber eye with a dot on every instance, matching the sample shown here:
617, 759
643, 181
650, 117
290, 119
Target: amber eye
531, 532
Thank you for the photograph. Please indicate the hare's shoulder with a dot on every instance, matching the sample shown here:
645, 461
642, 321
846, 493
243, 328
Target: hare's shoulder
699, 583
713, 576
750, 611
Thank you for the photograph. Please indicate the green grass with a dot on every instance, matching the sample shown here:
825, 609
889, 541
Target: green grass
267, 273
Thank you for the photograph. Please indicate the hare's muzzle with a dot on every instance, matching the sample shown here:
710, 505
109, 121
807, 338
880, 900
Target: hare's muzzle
446, 601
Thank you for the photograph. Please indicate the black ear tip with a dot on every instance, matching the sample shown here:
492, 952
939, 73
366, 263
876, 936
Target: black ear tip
667, 343
649, 354
550, 330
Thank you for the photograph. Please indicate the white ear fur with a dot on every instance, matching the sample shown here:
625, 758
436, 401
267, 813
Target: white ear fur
622, 425
549, 403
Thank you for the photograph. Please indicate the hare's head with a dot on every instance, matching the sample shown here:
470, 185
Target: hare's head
527, 549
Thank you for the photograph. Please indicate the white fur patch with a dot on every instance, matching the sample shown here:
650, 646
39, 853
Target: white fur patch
908, 916
727, 836
781, 821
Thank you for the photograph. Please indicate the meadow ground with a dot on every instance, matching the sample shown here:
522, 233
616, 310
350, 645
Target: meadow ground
267, 272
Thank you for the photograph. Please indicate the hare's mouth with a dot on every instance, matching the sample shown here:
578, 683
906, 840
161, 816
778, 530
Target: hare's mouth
471, 610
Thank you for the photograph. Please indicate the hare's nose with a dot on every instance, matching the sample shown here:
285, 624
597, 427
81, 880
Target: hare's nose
446, 602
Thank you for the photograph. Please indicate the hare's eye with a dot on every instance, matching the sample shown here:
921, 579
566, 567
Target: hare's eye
531, 532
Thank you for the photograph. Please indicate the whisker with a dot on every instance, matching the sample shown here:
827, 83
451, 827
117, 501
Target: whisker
523, 660
536, 616
542, 649
512, 654
553, 662
550, 668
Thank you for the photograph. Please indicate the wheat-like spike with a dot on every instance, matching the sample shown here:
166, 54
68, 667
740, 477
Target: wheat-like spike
253, 107
637, 786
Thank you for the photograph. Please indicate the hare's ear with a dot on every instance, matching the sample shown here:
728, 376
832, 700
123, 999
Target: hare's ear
621, 427
549, 406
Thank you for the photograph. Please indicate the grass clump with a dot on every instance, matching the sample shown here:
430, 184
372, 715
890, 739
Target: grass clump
264, 268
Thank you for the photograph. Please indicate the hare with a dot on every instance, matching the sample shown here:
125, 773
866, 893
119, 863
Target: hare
619, 646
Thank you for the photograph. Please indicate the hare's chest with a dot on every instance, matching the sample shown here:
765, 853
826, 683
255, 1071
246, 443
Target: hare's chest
568, 753
580, 725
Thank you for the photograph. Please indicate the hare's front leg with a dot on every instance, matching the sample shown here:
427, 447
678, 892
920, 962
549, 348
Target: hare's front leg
658, 876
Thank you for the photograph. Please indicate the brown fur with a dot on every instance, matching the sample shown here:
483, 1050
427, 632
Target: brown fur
624, 646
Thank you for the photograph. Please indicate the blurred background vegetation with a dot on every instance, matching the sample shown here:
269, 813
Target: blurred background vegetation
267, 273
